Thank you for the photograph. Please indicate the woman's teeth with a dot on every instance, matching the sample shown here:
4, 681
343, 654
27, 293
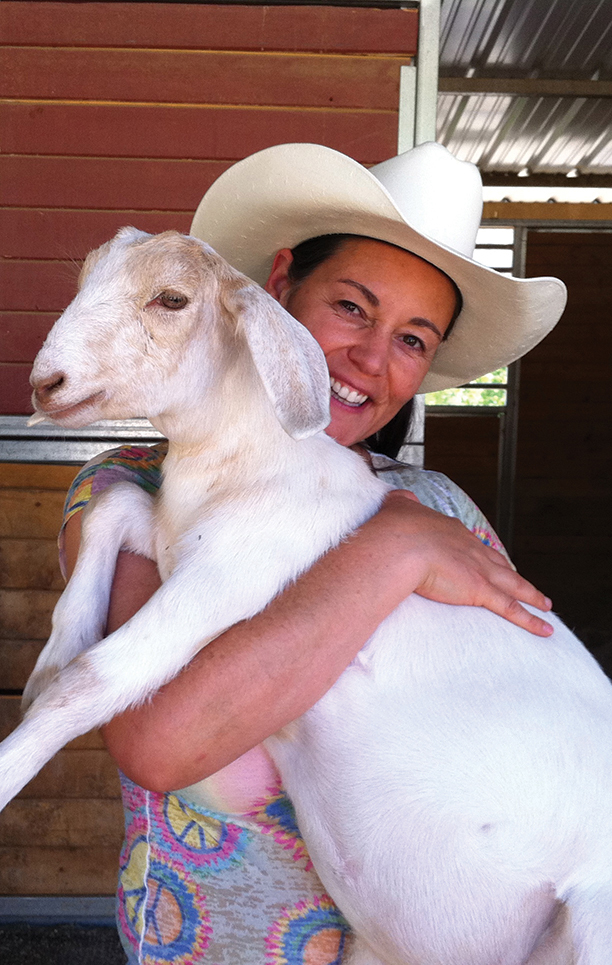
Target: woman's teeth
350, 396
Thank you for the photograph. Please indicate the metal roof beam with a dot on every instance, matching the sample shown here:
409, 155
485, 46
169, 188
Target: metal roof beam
525, 86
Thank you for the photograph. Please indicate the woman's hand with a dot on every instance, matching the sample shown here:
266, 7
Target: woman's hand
451, 565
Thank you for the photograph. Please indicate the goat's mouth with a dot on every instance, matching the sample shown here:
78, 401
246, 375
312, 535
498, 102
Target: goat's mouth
62, 413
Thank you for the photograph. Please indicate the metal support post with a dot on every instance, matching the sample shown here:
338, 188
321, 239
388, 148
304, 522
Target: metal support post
508, 435
417, 124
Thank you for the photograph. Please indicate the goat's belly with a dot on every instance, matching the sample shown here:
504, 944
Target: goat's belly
456, 753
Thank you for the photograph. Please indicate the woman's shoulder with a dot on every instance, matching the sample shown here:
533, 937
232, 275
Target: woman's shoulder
138, 464
438, 492
433, 488
142, 464
123, 462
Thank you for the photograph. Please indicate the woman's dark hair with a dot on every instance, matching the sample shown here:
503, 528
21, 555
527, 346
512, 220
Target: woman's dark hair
313, 252
307, 256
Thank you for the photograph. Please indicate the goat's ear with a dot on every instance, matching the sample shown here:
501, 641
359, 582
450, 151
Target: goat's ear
289, 361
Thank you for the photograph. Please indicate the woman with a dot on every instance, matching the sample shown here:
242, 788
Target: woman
220, 867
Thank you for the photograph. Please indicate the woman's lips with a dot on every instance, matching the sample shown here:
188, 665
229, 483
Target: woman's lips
346, 394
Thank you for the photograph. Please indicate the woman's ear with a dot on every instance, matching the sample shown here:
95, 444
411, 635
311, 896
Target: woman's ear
278, 283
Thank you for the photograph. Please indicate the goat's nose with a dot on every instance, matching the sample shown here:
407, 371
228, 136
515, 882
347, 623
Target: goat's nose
44, 388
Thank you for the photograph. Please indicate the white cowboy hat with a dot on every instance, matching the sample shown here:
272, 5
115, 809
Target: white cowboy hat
424, 200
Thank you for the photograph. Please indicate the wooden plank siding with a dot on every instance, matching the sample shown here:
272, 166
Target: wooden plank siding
223, 77
341, 29
115, 114
31, 501
63, 832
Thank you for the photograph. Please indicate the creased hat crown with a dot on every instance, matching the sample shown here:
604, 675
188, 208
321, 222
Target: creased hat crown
436, 194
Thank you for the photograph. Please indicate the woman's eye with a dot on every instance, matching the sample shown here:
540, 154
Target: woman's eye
350, 307
412, 341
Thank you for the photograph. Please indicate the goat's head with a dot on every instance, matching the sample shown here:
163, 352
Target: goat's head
158, 323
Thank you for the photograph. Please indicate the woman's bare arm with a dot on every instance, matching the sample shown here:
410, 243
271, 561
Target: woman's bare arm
265, 672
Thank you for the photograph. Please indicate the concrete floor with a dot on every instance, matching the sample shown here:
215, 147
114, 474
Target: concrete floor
22, 944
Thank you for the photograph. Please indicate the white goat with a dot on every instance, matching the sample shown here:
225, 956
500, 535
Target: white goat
469, 821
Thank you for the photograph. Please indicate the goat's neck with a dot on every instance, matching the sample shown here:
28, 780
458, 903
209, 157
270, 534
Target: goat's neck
236, 427
208, 421
231, 435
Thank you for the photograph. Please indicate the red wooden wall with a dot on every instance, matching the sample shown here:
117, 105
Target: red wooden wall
114, 114
124, 113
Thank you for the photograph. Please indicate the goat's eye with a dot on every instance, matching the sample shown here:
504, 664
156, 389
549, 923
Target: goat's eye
169, 299
173, 300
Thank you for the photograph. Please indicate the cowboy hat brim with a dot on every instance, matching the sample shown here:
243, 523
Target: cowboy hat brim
286, 194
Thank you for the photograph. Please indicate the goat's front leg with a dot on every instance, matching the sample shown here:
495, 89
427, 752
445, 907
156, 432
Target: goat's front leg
120, 517
126, 667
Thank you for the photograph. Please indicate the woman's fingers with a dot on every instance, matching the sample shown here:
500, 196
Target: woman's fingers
504, 592
507, 597
496, 588
515, 613
455, 567
526, 592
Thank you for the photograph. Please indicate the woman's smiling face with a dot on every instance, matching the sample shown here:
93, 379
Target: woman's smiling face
379, 313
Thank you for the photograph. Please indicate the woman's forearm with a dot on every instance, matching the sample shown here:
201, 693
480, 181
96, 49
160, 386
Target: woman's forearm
255, 678
260, 674
263, 673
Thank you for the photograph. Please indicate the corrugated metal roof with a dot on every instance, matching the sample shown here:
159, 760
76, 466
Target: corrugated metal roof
556, 38
535, 127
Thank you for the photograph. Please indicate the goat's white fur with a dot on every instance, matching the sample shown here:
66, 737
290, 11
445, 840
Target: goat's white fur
454, 787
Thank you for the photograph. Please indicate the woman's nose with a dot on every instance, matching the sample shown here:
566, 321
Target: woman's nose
370, 352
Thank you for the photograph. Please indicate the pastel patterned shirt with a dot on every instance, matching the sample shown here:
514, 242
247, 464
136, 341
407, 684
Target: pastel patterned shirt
218, 873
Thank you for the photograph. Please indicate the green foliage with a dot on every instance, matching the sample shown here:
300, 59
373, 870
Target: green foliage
472, 395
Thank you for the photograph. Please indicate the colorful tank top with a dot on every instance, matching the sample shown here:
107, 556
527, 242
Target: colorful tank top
218, 873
